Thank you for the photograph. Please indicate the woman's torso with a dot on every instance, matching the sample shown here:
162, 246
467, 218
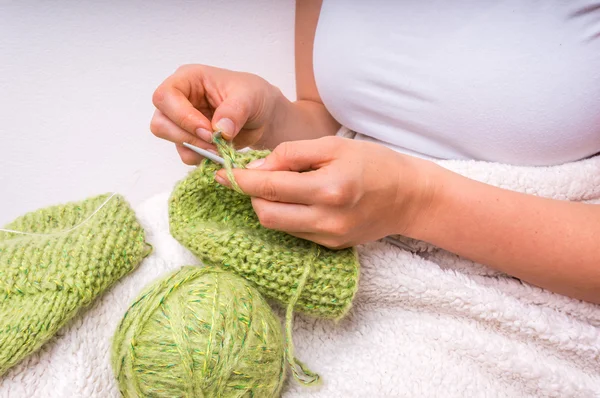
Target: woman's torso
506, 81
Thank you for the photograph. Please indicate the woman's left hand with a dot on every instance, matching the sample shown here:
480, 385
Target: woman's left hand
337, 192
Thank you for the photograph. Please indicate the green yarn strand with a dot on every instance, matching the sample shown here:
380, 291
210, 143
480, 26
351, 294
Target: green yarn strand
299, 369
227, 152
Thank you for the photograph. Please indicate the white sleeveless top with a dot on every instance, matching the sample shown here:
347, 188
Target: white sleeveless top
509, 81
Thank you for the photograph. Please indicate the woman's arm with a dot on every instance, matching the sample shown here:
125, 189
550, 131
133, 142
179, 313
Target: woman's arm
359, 191
549, 243
307, 117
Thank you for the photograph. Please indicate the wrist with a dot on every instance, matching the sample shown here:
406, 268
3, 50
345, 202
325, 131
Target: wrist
422, 185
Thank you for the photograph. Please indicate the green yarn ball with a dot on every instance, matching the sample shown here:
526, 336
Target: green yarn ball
200, 332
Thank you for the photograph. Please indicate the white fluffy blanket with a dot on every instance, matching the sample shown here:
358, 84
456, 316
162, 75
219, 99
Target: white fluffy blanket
425, 323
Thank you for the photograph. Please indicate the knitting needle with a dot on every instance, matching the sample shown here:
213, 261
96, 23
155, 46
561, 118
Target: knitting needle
206, 154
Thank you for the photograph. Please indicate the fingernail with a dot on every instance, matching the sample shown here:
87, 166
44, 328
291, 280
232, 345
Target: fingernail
220, 180
255, 164
204, 134
226, 126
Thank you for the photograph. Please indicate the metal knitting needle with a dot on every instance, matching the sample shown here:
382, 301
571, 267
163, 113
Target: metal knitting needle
205, 153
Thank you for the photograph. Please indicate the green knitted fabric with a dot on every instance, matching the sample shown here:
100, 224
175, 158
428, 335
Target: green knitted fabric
220, 226
199, 332
45, 278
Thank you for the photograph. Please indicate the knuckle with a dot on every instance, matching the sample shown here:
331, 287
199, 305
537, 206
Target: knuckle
189, 159
280, 150
159, 95
330, 141
155, 127
336, 194
185, 68
265, 217
339, 228
186, 121
268, 190
182, 68
335, 228
284, 151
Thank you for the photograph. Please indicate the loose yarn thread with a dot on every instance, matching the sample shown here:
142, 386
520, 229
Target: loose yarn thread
85, 221
82, 223
147, 252
227, 152
299, 369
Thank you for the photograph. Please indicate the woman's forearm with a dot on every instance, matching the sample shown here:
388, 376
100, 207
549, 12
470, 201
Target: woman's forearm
299, 120
549, 243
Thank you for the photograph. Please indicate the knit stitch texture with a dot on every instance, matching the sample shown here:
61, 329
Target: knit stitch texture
220, 226
45, 279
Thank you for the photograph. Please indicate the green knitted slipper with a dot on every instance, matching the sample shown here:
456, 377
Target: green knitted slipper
65, 260
220, 226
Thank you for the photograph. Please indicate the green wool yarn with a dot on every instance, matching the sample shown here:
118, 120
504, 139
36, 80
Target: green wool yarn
199, 332
220, 226
65, 257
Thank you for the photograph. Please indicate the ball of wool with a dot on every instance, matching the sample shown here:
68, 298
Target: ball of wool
200, 332
220, 227
68, 255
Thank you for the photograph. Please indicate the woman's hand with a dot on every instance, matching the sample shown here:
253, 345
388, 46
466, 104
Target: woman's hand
335, 191
197, 100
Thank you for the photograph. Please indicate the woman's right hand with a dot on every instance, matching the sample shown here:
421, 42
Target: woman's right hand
198, 99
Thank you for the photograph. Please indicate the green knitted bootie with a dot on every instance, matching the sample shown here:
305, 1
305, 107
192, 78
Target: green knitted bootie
220, 226
66, 256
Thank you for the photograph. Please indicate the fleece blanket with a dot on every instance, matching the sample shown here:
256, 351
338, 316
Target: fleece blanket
425, 323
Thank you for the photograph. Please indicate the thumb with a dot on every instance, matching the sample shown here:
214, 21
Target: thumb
231, 115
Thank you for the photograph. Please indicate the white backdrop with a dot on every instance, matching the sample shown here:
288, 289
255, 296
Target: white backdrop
76, 81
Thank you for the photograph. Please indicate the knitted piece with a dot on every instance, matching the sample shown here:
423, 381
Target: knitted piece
220, 226
47, 275
199, 332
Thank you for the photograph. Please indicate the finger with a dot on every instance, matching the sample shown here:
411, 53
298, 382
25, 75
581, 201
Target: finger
300, 155
276, 186
188, 156
172, 99
164, 128
284, 216
232, 114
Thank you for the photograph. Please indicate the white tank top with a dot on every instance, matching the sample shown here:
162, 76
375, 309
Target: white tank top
509, 81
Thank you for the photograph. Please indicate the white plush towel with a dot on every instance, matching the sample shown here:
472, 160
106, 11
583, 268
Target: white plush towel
425, 323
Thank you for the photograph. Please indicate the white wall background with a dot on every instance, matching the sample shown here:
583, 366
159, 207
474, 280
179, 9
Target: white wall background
76, 81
